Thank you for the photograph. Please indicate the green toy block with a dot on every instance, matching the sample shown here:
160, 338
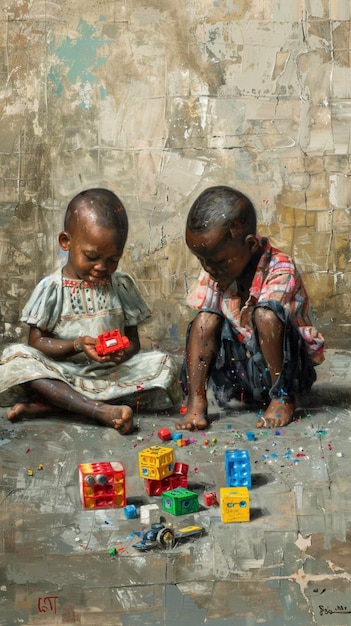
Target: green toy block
180, 501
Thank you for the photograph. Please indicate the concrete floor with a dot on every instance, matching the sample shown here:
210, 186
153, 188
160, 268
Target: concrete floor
291, 564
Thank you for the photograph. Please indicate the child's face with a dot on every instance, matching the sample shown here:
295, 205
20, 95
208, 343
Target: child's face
93, 252
223, 255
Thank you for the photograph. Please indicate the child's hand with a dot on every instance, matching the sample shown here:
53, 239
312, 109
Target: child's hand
87, 345
119, 357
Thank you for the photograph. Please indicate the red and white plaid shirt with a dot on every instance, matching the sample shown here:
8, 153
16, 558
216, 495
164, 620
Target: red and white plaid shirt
276, 278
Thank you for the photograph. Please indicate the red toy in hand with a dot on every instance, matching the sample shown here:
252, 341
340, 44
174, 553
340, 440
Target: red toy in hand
111, 341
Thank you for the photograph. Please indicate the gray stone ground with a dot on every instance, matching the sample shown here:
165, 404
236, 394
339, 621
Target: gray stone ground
291, 564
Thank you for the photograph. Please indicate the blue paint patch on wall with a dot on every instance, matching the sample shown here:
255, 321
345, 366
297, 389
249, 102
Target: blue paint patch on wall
7, 211
103, 93
78, 58
174, 331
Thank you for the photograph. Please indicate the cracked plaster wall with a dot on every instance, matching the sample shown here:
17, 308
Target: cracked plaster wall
158, 100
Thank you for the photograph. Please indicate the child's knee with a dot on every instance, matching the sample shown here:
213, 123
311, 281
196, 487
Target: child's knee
207, 324
266, 320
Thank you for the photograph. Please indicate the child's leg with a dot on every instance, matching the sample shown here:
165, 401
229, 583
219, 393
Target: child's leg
55, 393
270, 332
202, 347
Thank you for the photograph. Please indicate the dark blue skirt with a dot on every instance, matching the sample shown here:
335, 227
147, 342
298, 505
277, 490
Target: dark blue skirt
240, 371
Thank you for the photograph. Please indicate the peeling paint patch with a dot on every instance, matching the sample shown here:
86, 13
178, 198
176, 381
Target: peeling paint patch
77, 60
303, 542
181, 174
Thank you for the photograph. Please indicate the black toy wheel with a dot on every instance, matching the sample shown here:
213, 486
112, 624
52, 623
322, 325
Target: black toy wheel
166, 538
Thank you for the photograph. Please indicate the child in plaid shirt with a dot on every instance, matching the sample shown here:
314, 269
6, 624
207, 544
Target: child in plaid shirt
253, 336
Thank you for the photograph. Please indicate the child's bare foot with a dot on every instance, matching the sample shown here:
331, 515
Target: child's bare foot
29, 409
118, 417
195, 417
278, 413
192, 421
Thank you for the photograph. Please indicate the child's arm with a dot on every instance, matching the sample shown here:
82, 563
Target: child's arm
61, 349
49, 345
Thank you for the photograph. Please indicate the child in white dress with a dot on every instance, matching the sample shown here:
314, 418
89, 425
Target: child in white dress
60, 367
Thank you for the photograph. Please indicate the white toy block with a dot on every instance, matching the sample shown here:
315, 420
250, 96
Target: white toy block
149, 514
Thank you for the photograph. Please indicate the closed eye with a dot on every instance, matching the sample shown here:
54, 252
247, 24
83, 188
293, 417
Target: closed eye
211, 263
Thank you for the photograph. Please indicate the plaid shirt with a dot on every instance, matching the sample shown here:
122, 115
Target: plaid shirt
276, 278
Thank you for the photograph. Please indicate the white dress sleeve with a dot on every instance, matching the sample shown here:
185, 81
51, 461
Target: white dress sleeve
44, 306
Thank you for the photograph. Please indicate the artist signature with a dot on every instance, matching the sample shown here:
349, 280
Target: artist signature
323, 610
47, 604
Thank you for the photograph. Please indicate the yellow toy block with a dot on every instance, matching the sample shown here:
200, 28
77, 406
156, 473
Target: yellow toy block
156, 462
234, 504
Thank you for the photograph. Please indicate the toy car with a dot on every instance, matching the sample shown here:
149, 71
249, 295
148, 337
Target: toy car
160, 536
111, 341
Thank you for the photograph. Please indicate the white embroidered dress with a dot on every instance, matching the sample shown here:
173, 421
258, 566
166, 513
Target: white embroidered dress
71, 308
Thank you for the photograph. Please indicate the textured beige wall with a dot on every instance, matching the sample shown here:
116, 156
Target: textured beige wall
159, 99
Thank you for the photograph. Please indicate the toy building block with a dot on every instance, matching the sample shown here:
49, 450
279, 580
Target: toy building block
234, 504
157, 487
112, 552
179, 478
156, 462
102, 485
130, 511
180, 501
164, 434
210, 498
237, 468
149, 514
250, 436
182, 442
111, 341
181, 468
177, 436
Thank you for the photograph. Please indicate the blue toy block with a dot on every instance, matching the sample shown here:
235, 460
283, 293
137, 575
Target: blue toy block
250, 436
237, 468
177, 436
130, 511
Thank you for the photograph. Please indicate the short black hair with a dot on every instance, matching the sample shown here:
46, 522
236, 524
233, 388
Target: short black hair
107, 207
222, 207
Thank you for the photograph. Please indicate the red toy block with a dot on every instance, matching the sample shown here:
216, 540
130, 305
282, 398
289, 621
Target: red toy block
179, 480
164, 434
102, 485
157, 487
210, 498
181, 468
111, 341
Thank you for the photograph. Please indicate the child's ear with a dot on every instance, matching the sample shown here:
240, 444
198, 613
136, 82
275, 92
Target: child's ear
64, 241
252, 242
